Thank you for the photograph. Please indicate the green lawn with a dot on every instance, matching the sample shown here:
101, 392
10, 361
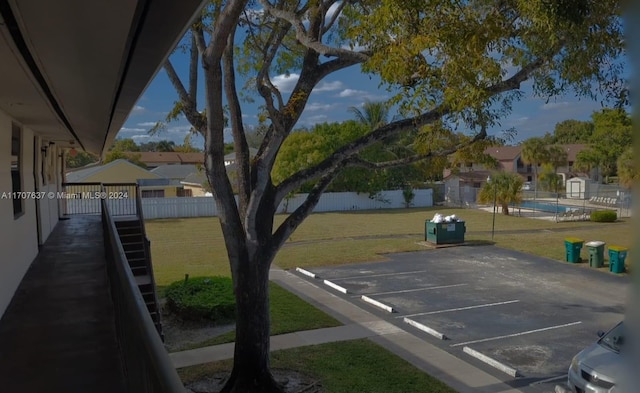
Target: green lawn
286, 309
344, 367
195, 245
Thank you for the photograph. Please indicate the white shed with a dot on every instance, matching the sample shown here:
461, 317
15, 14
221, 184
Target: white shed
578, 188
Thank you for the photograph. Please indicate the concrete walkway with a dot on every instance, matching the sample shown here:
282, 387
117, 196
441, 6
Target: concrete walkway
360, 323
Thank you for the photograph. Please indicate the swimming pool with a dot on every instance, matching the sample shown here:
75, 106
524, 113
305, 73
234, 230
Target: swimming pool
545, 207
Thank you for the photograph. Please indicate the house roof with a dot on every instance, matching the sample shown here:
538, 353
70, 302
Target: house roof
195, 179
175, 171
504, 153
471, 176
158, 182
154, 157
232, 156
573, 150
80, 175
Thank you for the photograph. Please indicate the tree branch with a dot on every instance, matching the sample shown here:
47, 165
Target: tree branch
235, 115
312, 42
188, 108
328, 25
193, 72
358, 162
296, 218
298, 179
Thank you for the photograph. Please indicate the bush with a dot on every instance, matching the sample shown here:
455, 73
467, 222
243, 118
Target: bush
198, 298
604, 216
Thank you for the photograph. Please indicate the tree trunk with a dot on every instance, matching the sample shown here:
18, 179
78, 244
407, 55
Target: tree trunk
505, 209
251, 367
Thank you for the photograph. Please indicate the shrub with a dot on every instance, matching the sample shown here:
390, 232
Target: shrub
604, 216
200, 298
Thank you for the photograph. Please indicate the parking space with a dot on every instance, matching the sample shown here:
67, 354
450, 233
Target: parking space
526, 315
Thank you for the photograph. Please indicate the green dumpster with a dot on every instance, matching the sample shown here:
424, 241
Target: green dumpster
444, 232
596, 253
617, 255
573, 245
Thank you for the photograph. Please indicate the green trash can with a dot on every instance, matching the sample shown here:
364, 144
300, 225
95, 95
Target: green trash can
617, 255
444, 232
573, 245
596, 253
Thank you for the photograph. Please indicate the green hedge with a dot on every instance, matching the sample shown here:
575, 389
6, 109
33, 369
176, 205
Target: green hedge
604, 216
200, 298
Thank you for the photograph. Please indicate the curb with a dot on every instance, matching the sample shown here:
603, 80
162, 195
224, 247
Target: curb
306, 272
425, 329
491, 361
378, 304
335, 286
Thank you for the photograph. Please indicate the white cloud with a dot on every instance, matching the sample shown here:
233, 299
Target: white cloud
147, 124
126, 129
328, 86
554, 105
285, 83
136, 137
181, 129
361, 95
138, 109
351, 93
317, 106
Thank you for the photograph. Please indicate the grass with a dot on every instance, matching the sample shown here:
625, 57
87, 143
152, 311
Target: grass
286, 309
195, 245
344, 367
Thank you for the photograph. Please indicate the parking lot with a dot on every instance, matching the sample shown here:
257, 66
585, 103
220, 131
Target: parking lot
518, 316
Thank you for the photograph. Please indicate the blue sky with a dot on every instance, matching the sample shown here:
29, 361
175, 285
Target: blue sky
532, 116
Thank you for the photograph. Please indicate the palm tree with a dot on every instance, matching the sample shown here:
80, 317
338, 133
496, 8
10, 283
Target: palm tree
534, 152
373, 114
558, 157
504, 188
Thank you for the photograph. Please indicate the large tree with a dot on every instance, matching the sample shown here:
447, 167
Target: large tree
628, 173
611, 136
443, 61
572, 131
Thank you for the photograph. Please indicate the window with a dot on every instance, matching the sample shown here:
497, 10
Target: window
184, 192
152, 194
16, 172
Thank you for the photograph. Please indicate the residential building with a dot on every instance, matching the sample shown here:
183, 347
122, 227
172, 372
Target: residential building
509, 159
153, 159
71, 72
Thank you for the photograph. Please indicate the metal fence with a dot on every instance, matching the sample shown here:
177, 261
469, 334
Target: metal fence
563, 205
148, 367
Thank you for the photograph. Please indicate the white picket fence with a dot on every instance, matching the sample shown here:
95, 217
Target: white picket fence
340, 201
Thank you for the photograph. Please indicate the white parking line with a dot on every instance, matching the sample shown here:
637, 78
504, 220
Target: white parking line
415, 290
461, 308
517, 334
379, 275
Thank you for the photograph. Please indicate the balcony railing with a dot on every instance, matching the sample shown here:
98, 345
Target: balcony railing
146, 362
85, 198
